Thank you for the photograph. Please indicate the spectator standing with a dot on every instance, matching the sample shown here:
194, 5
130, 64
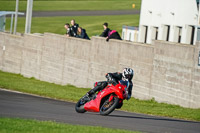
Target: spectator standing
81, 33
113, 34
68, 30
74, 27
106, 30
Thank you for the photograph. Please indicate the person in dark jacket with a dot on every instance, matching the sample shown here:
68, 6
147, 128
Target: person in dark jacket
81, 33
113, 34
114, 78
106, 30
68, 30
74, 27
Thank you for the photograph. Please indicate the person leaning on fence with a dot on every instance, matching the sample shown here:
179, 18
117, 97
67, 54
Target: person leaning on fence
68, 30
113, 34
81, 33
74, 27
106, 30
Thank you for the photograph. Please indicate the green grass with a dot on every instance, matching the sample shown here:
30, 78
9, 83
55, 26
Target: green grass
69, 93
55, 5
16, 125
92, 24
161, 109
31, 85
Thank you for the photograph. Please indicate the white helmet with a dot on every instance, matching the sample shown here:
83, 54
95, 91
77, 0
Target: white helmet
127, 74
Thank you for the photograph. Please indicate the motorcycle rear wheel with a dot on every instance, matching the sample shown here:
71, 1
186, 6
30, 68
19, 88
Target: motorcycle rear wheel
109, 107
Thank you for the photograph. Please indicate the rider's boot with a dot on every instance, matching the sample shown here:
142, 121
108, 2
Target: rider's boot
100, 86
94, 90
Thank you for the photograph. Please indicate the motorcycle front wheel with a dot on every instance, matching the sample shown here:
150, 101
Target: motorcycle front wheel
109, 107
79, 107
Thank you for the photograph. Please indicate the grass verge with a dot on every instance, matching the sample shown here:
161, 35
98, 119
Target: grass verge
69, 93
67, 5
33, 86
92, 24
16, 125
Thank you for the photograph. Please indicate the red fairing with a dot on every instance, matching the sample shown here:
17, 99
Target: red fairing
94, 105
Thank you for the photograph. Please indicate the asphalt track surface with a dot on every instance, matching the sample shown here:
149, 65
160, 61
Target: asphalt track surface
82, 13
20, 105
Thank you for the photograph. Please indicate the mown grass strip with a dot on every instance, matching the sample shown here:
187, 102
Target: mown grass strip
72, 93
16, 125
33, 86
72, 5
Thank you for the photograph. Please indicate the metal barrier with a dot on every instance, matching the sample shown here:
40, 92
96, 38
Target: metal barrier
3, 19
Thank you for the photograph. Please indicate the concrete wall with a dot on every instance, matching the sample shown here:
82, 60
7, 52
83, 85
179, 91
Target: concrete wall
175, 77
168, 72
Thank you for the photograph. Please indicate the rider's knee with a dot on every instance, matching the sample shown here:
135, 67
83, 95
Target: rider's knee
103, 84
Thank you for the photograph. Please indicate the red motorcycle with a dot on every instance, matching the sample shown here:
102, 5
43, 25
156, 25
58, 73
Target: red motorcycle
105, 101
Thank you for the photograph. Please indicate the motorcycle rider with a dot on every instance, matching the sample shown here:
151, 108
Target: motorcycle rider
114, 78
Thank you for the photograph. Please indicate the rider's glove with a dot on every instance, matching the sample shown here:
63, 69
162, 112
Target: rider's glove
125, 94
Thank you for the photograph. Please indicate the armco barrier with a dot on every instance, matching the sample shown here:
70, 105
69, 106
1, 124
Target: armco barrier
165, 71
